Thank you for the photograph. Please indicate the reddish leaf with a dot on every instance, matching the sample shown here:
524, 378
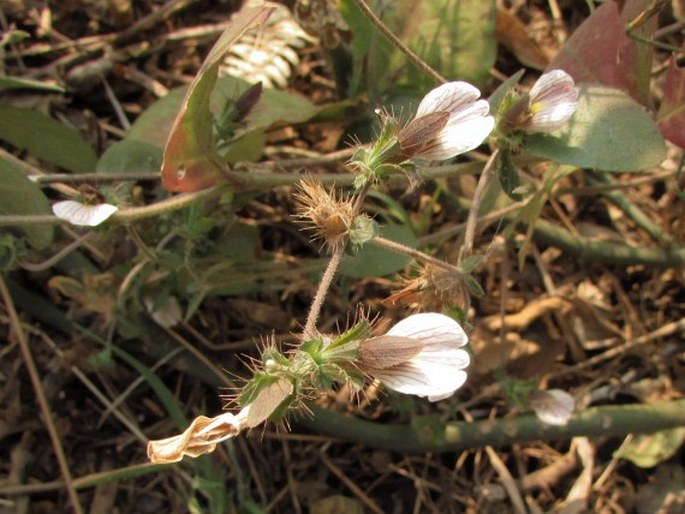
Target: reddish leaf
190, 160
671, 117
600, 51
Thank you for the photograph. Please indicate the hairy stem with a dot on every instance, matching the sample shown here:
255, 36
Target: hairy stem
315, 309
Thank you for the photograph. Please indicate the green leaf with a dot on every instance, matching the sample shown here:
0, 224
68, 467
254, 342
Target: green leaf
239, 244
609, 132
473, 286
455, 37
649, 450
154, 124
372, 261
20, 83
371, 53
248, 148
46, 138
471, 263
130, 155
21, 196
468, 46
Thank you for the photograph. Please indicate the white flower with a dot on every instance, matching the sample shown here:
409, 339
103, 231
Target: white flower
554, 407
82, 214
553, 100
420, 355
450, 120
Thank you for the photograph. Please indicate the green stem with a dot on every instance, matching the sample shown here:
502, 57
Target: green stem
630, 209
607, 252
600, 251
605, 421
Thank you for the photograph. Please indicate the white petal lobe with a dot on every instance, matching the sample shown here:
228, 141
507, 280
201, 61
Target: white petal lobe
84, 215
431, 328
450, 97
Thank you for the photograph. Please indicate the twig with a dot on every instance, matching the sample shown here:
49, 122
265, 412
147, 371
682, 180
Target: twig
674, 327
151, 20
363, 498
18, 331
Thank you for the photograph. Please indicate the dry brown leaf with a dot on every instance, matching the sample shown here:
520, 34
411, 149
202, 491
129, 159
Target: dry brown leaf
514, 35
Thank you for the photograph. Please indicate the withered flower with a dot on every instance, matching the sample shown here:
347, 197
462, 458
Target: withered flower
327, 215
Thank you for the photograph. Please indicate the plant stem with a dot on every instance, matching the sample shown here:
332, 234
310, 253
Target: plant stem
414, 253
250, 182
309, 331
420, 63
630, 209
605, 421
478, 196
321, 291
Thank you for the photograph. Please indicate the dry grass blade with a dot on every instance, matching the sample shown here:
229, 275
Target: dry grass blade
40, 395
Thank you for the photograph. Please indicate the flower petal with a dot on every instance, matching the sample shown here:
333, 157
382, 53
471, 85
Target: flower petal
451, 97
77, 213
432, 328
550, 84
432, 380
458, 137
